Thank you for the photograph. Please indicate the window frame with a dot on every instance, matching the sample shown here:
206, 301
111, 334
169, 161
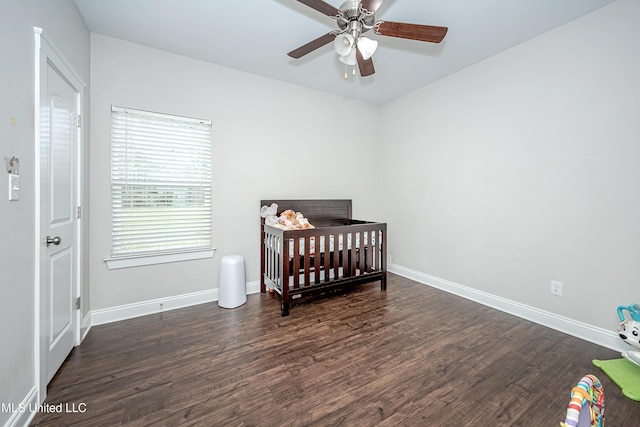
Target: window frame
124, 258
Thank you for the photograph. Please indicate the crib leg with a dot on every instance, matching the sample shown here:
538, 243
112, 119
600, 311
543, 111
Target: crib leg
383, 282
284, 309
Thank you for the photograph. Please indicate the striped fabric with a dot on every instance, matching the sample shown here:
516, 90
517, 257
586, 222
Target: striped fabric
586, 407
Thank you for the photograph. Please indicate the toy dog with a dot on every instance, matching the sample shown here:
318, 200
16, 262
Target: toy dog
629, 331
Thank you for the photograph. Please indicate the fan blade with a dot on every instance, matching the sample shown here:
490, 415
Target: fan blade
371, 5
425, 33
321, 7
365, 66
312, 45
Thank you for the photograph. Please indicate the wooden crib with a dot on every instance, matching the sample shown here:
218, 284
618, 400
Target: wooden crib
338, 253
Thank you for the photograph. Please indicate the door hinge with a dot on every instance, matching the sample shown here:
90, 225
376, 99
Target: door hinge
78, 303
78, 212
78, 120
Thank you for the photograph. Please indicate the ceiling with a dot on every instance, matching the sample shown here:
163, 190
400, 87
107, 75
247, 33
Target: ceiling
255, 36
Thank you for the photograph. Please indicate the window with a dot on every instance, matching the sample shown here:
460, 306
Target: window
160, 184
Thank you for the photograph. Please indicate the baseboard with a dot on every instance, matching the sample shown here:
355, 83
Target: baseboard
587, 332
144, 308
23, 412
86, 325
591, 333
253, 287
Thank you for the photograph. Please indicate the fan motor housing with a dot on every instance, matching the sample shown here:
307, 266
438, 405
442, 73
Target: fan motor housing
350, 12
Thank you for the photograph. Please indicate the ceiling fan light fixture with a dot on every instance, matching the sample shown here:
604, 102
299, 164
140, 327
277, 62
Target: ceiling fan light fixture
343, 44
350, 58
367, 47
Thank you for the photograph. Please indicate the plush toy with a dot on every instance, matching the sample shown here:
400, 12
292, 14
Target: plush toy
304, 222
266, 211
272, 221
269, 214
291, 220
288, 219
586, 407
629, 331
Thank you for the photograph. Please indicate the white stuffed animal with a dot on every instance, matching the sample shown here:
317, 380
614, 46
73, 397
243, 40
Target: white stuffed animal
629, 331
269, 214
266, 211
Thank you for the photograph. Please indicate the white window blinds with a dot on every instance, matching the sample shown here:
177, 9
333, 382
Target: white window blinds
160, 183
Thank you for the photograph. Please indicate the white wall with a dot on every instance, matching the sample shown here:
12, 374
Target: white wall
64, 25
270, 140
524, 169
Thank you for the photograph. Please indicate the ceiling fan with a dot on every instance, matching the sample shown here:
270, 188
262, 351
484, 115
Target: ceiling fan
354, 18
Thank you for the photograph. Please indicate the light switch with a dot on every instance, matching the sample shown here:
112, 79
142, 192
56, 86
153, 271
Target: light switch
14, 187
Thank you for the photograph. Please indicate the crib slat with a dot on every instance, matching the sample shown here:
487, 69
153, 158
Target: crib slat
307, 261
346, 271
353, 255
362, 250
283, 272
347, 256
369, 252
378, 250
274, 259
327, 258
296, 263
316, 261
383, 252
375, 253
268, 254
336, 258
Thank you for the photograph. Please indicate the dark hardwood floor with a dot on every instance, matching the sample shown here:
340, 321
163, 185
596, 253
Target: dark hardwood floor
411, 356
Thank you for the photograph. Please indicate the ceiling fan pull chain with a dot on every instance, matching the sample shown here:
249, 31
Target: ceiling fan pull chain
346, 71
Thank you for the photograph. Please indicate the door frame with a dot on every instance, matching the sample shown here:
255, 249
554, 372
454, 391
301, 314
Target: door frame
46, 53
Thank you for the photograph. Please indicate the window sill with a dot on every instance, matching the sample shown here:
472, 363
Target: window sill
126, 262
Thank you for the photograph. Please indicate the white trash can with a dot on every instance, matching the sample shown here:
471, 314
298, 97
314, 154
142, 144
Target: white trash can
232, 292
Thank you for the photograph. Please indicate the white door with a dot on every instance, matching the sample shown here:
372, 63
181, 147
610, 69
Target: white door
58, 275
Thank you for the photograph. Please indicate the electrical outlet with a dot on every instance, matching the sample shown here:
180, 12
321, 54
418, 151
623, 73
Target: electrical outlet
556, 288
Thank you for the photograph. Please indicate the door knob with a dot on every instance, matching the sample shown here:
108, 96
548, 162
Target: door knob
56, 240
